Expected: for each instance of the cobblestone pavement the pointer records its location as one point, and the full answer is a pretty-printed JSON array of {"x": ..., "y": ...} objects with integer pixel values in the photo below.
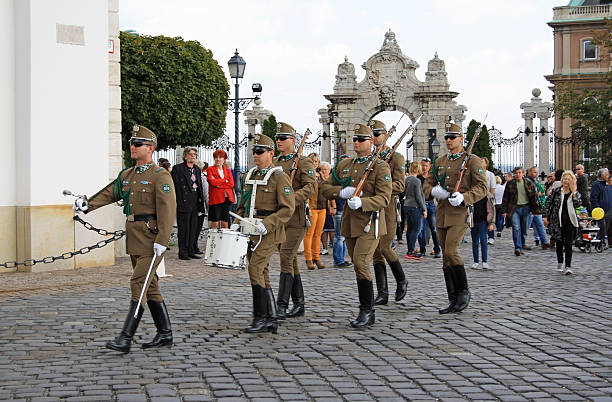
[{"x": 530, "y": 333}]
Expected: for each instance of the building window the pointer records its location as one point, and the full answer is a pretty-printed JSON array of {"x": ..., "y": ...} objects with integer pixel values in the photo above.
[{"x": 589, "y": 50}]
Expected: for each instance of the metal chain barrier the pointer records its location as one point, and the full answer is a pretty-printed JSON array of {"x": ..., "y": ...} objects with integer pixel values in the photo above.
[{"x": 116, "y": 235}]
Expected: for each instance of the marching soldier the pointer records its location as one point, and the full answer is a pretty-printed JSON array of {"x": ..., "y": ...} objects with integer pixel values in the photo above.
[
  {"x": 363, "y": 222},
  {"x": 452, "y": 212},
  {"x": 303, "y": 185},
  {"x": 149, "y": 202},
  {"x": 273, "y": 203},
  {"x": 384, "y": 251}
]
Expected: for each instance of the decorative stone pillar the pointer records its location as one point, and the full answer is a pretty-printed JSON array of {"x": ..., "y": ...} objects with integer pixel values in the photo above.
[
  {"x": 326, "y": 149},
  {"x": 544, "y": 154},
  {"x": 542, "y": 110},
  {"x": 528, "y": 142},
  {"x": 253, "y": 117}
]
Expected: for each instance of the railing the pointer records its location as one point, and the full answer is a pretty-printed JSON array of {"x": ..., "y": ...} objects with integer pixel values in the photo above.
[{"x": 568, "y": 13}]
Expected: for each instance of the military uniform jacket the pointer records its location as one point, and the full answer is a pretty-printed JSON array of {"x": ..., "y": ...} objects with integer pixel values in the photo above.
[
  {"x": 473, "y": 187},
  {"x": 274, "y": 202},
  {"x": 376, "y": 194},
  {"x": 303, "y": 184},
  {"x": 397, "y": 164},
  {"x": 150, "y": 193}
]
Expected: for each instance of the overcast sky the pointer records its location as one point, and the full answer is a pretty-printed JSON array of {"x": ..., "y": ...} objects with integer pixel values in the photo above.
[{"x": 496, "y": 51}]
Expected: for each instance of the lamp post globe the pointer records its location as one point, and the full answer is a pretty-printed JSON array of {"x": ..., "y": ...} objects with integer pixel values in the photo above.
[{"x": 435, "y": 147}]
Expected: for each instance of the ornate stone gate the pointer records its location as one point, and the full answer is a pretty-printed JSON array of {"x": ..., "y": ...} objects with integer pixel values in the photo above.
[{"x": 390, "y": 83}]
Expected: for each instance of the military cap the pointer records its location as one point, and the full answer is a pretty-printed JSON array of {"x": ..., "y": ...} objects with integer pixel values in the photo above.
[
  {"x": 377, "y": 126},
  {"x": 453, "y": 128},
  {"x": 363, "y": 131},
  {"x": 262, "y": 140},
  {"x": 285, "y": 129},
  {"x": 141, "y": 133}
]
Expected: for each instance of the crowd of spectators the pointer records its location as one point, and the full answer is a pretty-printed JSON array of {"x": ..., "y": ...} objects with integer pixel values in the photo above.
[{"x": 520, "y": 200}]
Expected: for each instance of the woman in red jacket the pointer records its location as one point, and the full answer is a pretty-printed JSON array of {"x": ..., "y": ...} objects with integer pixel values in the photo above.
[{"x": 221, "y": 190}]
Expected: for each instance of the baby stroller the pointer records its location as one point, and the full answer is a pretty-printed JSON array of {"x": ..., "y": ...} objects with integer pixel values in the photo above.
[{"x": 588, "y": 240}]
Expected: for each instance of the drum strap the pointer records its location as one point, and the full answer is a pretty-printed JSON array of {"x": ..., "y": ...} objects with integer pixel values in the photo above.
[{"x": 256, "y": 183}]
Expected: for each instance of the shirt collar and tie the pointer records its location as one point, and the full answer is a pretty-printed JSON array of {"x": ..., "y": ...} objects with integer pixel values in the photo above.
[{"x": 143, "y": 168}]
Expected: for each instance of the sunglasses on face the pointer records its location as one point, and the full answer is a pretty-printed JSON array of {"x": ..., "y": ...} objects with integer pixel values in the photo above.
[
  {"x": 425, "y": 160},
  {"x": 137, "y": 144},
  {"x": 360, "y": 139},
  {"x": 282, "y": 137},
  {"x": 378, "y": 133},
  {"x": 450, "y": 136},
  {"x": 259, "y": 151}
]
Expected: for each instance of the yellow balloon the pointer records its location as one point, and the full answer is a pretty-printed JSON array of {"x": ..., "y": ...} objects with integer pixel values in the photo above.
[{"x": 598, "y": 213}]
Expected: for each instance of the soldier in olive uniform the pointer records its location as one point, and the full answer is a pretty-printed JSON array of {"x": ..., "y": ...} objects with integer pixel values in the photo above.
[
  {"x": 274, "y": 204},
  {"x": 303, "y": 185},
  {"x": 149, "y": 202},
  {"x": 363, "y": 222},
  {"x": 384, "y": 251},
  {"x": 452, "y": 212}
]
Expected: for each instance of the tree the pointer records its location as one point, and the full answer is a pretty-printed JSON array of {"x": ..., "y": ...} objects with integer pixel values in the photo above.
[
  {"x": 482, "y": 147},
  {"x": 591, "y": 111},
  {"x": 269, "y": 127},
  {"x": 174, "y": 87}
]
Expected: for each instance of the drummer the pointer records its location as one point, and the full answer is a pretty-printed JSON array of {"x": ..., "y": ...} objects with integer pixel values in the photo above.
[{"x": 274, "y": 205}]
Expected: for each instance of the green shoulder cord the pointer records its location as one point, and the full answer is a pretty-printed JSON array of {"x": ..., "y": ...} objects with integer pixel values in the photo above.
[
  {"x": 119, "y": 195},
  {"x": 245, "y": 196},
  {"x": 342, "y": 183},
  {"x": 438, "y": 180}
]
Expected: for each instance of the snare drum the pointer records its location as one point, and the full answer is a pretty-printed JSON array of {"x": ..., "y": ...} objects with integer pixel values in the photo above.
[{"x": 226, "y": 249}]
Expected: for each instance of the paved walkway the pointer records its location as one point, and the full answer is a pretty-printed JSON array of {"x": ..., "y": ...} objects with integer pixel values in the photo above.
[{"x": 529, "y": 334}]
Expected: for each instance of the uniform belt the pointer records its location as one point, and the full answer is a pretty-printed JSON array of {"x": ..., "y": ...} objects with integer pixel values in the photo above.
[
  {"x": 264, "y": 213},
  {"x": 145, "y": 218}
]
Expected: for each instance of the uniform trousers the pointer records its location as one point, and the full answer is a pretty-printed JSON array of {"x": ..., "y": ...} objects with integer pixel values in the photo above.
[
  {"x": 361, "y": 249},
  {"x": 140, "y": 267},
  {"x": 288, "y": 250},
  {"x": 312, "y": 238},
  {"x": 449, "y": 238},
  {"x": 384, "y": 251},
  {"x": 259, "y": 260},
  {"x": 187, "y": 223}
]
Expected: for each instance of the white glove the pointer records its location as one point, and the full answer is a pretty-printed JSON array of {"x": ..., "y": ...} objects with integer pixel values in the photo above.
[
  {"x": 80, "y": 205},
  {"x": 261, "y": 228},
  {"x": 158, "y": 249},
  {"x": 354, "y": 202},
  {"x": 439, "y": 192},
  {"x": 235, "y": 227},
  {"x": 456, "y": 199},
  {"x": 346, "y": 192}
]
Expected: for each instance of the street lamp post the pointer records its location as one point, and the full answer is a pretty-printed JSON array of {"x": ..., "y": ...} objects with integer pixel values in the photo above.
[
  {"x": 236, "y": 67},
  {"x": 434, "y": 144}
]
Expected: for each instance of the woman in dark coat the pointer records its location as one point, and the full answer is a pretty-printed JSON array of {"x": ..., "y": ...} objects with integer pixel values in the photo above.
[{"x": 561, "y": 220}]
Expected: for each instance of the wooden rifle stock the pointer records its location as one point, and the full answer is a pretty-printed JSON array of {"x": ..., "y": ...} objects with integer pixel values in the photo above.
[{"x": 300, "y": 149}]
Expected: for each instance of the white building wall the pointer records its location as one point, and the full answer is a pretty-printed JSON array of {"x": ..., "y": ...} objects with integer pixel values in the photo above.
[{"x": 54, "y": 125}]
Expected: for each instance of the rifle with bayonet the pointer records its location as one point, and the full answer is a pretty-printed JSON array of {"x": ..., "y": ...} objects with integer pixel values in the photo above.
[{"x": 300, "y": 149}]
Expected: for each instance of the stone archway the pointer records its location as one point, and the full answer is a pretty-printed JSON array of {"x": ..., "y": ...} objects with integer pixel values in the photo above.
[{"x": 390, "y": 83}]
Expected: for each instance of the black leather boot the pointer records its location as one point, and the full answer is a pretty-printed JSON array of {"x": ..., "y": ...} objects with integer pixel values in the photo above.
[
  {"x": 366, "y": 302},
  {"x": 159, "y": 312},
  {"x": 285, "y": 284},
  {"x": 271, "y": 312},
  {"x": 260, "y": 311},
  {"x": 449, "y": 278},
  {"x": 123, "y": 342},
  {"x": 297, "y": 295},
  {"x": 400, "y": 279},
  {"x": 380, "y": 272},
  {"x": 463, "y": 292}
]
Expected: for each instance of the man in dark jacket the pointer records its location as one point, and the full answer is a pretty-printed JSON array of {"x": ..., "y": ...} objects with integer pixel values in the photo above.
[
  {"x": 190, "y": 198},
  {"x": 520, "y": 199},
  {"x": 582, "y": 181},
  {"x": 601, "y": 197}
]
